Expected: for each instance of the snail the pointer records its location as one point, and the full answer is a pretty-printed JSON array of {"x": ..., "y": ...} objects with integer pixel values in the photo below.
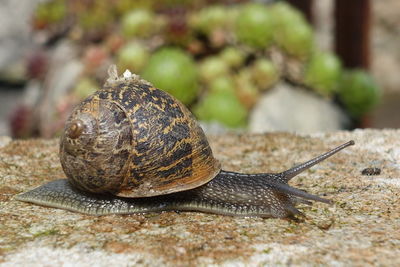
[{"x": 132, "y": 148}]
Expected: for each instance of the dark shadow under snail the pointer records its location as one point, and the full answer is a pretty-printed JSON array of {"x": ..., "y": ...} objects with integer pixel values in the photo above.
[{"x": 131, "y": 148}]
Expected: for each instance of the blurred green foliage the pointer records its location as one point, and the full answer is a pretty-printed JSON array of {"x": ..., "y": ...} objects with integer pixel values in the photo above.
[{"x": 217, "y": 59}]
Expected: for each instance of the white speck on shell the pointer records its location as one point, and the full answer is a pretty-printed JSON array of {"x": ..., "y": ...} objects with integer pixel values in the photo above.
[{"x": 127, "y": 74}]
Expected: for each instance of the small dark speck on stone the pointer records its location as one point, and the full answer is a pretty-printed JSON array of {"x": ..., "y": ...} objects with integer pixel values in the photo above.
[{"x": 371, "y": 171}]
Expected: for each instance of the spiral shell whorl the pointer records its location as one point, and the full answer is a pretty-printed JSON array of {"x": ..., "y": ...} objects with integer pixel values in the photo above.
[{"x": 95, "y": 156}]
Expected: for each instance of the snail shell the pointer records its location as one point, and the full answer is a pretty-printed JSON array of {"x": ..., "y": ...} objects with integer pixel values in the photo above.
[
  {"x": 130, "y": 148},
  {"x": 133, "y": 140}
]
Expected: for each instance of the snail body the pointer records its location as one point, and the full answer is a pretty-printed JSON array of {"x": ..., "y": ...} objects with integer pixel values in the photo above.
[{"x": 132, "y": 148}]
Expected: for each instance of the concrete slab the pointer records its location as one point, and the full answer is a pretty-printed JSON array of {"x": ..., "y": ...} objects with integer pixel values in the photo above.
[{"x": 362, "y": 228}]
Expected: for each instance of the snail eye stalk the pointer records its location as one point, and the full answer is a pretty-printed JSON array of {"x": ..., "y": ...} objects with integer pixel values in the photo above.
[{"x": 75, "y": 129}]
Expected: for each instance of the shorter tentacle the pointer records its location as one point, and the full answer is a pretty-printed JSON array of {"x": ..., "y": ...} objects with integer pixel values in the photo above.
[
  {"x": 285, "y": 188},
  {"x": 298, "y": 200}
]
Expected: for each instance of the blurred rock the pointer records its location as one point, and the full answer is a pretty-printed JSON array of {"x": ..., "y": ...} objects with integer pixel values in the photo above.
[
  {"x": 64, "y": 70},
  {"x": 216, "y": 128},
  {"x": 286, "y": 108},
  {"x": 385, "y": 44},
  {"x": 4, "y": 140},
  {"x": 15, "y": 37},
  {"x": 385, "y": 38}
]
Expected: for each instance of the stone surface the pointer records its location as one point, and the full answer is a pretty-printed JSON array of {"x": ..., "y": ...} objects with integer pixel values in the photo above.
[{"x": 362, "y": 228}]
